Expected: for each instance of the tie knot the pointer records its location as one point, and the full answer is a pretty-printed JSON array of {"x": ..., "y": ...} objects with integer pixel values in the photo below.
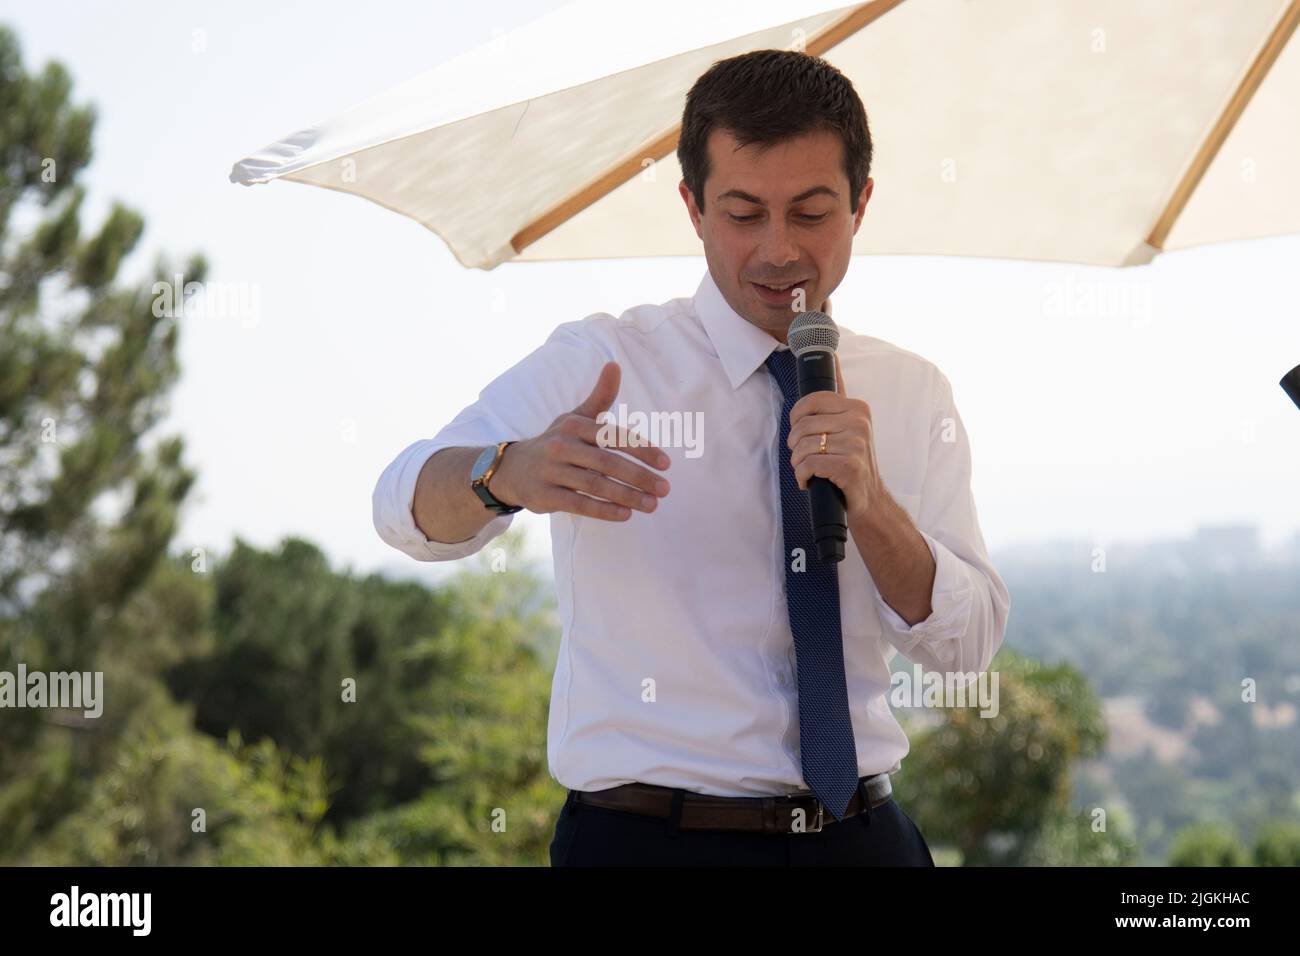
[{"x": 781, "y": 364}]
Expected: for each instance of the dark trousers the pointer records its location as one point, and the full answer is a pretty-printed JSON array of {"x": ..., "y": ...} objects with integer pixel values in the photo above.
[{"x": 598, "y": 836}]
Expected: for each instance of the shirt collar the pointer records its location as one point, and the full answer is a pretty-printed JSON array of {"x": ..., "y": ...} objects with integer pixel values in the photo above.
[{"x": 741, "y": 346}]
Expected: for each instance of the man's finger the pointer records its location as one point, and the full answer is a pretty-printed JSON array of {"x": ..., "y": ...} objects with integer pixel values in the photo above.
[
  {"x": 577, "y": 503},
  {"x": 606, "y": 462},
  {"x": 817, "y": 425},
  {"x": 622, "y": 441},
  {"x": 816, "y": 403},
  {"x": 598, "y": 486},
  {"x": 603, "y": 394}
]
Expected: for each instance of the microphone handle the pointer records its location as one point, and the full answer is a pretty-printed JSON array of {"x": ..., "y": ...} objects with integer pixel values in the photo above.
[{"x": 825, "y": 499}]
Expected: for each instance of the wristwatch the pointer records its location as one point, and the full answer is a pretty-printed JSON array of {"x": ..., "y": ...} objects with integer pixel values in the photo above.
[{"x": 485, "y": 466}]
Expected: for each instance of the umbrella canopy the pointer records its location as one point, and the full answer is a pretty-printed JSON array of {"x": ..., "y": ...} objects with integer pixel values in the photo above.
[{"x": 1101, "y": 132}]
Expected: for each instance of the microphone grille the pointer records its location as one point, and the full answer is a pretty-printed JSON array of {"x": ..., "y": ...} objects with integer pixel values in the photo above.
[{"x": 811, "y": 331}]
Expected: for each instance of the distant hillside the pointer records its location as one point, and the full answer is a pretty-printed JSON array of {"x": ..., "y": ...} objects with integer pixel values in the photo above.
[{"x": 1194, "y": 647}]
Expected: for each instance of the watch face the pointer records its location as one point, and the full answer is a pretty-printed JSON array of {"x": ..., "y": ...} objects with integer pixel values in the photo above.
[{"x": 482, "y": 462}]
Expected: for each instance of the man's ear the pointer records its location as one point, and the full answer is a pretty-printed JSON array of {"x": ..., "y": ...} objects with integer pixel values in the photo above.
[
  {"x": 862, "y": 203},
  {"x": 694, "y": 213}
]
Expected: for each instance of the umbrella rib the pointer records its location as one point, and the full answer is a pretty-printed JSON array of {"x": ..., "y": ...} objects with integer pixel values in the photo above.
[
  {"x": 660, "y": 146},
  {"x": 1241, "y": 97}
]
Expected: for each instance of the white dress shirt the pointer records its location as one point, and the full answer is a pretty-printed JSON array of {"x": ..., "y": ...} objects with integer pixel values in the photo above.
[{"x": 676, "y": 665}]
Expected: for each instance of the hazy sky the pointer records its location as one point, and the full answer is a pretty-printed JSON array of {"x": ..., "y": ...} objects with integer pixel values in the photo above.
[{"x": 1144, "y": 419}]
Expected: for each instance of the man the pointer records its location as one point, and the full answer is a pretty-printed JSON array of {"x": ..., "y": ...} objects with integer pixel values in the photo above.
[{"x": 720, "y": 692}]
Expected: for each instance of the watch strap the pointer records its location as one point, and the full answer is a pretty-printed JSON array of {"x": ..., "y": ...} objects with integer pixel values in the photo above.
[{"x": 480, "y": 488}]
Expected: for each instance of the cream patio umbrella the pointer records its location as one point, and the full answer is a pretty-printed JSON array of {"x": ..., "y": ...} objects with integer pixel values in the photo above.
[{"x": 1099, "y": 132}]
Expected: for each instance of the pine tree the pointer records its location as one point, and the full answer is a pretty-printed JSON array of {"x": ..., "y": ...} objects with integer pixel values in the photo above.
[{"x": 88, "y": 495}]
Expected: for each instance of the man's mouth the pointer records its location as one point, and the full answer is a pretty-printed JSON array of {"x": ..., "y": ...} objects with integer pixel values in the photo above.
[{"x": 778, "y": 293}]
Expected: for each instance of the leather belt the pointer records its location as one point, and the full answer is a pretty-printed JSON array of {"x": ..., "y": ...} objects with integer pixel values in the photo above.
[{"x": 701, "y": 811}]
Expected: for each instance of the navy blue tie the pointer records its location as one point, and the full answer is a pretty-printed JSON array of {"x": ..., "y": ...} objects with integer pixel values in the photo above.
[{"x": 826, "y": 748}]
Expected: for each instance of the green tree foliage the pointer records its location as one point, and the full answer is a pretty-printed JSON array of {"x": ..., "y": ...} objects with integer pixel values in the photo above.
[
  {"x": 1277, "y": 844},
  {"x": 253, "y": 649},
  {"x": 1207, "y": 844},
  {"x": 83, "y": 370},
  {"x": 483, "y": 724},
  {"x": 997, "y": 788},
  {"x": 447, "y": 728},
  {"x": 87, "y": 508},
  {"x": 289, "y": 634},
  {"x": 173, "y": 796}
]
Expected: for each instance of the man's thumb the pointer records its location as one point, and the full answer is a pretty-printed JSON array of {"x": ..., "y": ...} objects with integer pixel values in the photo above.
[{"x": 603, "y": 395}]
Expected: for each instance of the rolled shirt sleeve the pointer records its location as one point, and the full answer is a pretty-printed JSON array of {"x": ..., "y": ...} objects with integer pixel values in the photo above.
[
  {"x": 394, "y": 496},
  {"x": 520, "y": 403},
  {"x": 969, "y": 602}
]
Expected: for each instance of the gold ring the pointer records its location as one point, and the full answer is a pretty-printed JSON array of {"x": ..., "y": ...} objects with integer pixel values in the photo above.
[{"x": 822, "y": 450}]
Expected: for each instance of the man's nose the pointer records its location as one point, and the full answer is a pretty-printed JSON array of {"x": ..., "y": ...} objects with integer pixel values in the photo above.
[{"x": 777, "y": 249}]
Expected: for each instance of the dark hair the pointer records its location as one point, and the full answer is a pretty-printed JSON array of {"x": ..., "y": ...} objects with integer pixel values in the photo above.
[{"x": 765, "y": 97}]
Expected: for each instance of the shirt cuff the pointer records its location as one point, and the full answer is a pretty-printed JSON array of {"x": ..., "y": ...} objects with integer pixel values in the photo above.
[
  {"x": 394, "y": 496},
  {"x": 951, "y": 601}
]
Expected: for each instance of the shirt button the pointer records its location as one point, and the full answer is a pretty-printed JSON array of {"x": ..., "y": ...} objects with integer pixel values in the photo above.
[{"x": 782, "y": 678}]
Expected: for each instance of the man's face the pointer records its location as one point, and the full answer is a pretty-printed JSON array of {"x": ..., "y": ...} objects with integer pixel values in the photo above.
[{"x": 769, "y": 218}]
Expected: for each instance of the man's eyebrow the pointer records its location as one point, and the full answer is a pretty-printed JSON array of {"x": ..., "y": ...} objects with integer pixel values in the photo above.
[{"x": 806, "y": 194}]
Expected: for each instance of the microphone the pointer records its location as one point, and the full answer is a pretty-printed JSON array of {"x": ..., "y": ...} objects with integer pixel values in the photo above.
[{"x": 813, "y": 338}]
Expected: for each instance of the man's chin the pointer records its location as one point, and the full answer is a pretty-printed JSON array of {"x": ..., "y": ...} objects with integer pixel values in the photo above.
[{"x": 772, "y": 321}]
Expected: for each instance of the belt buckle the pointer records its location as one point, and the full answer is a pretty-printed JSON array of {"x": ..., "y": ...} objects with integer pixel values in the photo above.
[{"x": 819, "y": 819}]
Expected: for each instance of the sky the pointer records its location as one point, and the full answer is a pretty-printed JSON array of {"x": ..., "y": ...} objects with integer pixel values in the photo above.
[{"x": 1147, "y": 407}]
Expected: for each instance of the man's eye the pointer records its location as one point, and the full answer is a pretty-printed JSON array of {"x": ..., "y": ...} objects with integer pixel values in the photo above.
[{"x": 805, "y": 218}]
